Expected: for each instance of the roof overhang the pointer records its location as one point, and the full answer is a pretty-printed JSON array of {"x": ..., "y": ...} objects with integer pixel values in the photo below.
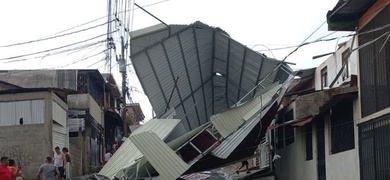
[{"x": 345, "y": 15}]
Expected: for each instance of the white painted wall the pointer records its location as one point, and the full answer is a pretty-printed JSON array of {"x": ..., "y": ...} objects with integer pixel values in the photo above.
[
  {"x": 293, "y": 165},
  {"x": 334, "y": 64},
  {"x": 343, "y": 165}
]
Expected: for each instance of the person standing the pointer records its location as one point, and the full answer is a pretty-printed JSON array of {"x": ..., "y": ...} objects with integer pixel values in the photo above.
[
  {"x": 114, "y": 147},
  {"x": 68, "y": 163},
  {"x": 5, "y": 173},
  {"x": 59, "y": 161},
  {"x": 48, "y": 171},
  {"x": 13, "y": 169},
  {"x": 107, "y": 156},
  {"x": 244, "y": 163}
]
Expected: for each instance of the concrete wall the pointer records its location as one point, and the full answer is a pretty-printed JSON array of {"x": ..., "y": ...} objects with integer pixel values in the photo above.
[
  {"x": 85, "y": 101},
  {"x": 334, "y": 64},
  {"x": 17, "y": 142},
  {"x": 343, "y": 165},
  {"x": 76, "y": 155},
  {"x": 62, "y": 79},
  {"x": 293, "y": 164},
  {"x": 78, "y": 101},
  {"x": 309, "y": 104},
  {"x": 28, "y": 144}
]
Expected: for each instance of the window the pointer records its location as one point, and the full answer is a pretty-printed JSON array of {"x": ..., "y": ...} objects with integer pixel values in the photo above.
[
  {"x": 345, "y": 57},
  {"x": 289, "y": 130},
  {"x": 309, "y": 141},
  {"x": 280, "y": 137},
  {"x": 342, "y": 127},
  {"x": 285, "y": 134},
  {"x": 324, "y": 78}
]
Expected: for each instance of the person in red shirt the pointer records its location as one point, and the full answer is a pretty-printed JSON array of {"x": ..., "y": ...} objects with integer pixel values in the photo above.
[
  {"x": 5, "y": 173},
  {"x": 14, "y": 170}
]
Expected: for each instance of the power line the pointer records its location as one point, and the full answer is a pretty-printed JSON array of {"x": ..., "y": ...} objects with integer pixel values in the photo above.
[
  {"x": 72, "y": 51},
  {"x": 48, "y": 50},
  {"x": 53, "y": 37},
  {"x": 303, "y": 42},
  {"x": 79, "y": 60}
]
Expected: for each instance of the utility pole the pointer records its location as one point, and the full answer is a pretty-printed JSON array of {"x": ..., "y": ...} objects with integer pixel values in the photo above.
[{"x": 123, "y": 69}]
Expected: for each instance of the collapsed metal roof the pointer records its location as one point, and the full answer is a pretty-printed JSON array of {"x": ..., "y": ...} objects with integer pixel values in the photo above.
[
  {"x": 199, "y": 70},
  {"x": 123, "y": 159},
  {"x": 220, "y": 90}
]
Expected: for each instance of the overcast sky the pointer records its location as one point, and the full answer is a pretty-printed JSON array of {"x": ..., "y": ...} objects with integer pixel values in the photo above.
[{"x": 254, "y": 23}]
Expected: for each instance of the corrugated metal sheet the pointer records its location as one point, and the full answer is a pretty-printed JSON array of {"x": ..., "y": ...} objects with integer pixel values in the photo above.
[
  {"x": 155, "y": 34},
  {"x": 59, "y": 114},
  {"x": 230, "y": 120},
  {"x": 128, "y": 153},
  {"x": 214, "y": 72},
  {"x": 175, "y": 144},
  {"x": 32, "y": 112},
  {"x": 75, "y": 123},
  {"x": 59, "y": 136},
  {"x": 230, "y": 143},
  {"x": 167, "y": 163}
]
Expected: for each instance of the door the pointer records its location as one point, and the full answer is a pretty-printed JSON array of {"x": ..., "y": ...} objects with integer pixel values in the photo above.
[{"x": 321, "y": 171}]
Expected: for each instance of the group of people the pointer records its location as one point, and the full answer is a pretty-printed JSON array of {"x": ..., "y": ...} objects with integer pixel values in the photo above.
[
  {"x": 8, "y": 169},
  {"x": 53, "y": 168}
]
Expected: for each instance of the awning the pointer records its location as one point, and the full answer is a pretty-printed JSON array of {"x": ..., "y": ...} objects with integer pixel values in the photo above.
[{"x": 345, "y": 15}]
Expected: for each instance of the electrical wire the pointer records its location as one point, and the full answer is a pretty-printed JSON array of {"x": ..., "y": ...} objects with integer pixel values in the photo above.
[
  {"x": 53, "y": 37},
  {"x": 71, "y": 51},
  {"x": 48, "y": 50},
  {"x": 79, "y": 60}
]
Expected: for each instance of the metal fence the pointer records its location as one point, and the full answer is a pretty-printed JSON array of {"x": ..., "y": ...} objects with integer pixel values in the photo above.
[{"x": 374, "y": 149}]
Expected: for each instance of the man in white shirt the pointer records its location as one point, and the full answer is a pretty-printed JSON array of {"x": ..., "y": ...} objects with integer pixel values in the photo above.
[{"x": 59, "y": 161}]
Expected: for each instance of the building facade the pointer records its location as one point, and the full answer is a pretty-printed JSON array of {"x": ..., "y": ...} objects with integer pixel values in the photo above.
[
  {"x": 369, "y": 19},
  {"x": 93, "y": 121},
  {"x": 315, "y": 134},
  {"x": 32, "y": 123}
]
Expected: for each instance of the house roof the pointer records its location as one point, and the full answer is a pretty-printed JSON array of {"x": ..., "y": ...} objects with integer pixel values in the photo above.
[
  {"x": 345, "y": 15},
  {"x": 199, "y": 71}
]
